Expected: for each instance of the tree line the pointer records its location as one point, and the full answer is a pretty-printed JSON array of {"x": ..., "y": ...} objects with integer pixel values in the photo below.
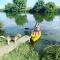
[
  {"x": 16, "y": 6},
  {"x": 43, "y": 8},
  {"x": 40, "y": 7}
]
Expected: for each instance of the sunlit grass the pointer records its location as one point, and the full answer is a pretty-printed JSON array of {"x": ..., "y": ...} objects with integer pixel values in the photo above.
[
  {"x": 23, "y": 52},
  {"x": 27, "y": 52}
]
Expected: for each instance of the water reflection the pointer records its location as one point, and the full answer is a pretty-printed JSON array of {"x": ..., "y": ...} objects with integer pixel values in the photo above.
[
  {"x": 11, "y": 15},
  {"x": 48, "y": 17},
  {"x": 38, "y": 18},
  {"x": 21, "y": 19},
  {"x": 16, "y": 24},
  {"x": 21, "y": 23}
]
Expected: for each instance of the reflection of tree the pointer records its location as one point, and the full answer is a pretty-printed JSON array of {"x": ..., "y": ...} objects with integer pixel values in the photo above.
[
  {"x": 11, "y": 15},
  {"x": 38, "y": 18},
  {"x": 21, "y": 20},
  {"x": 49, "y": 16}
]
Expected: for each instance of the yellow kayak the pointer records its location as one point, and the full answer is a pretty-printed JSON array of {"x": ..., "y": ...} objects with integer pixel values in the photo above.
[{"x": 35, "y": 36}]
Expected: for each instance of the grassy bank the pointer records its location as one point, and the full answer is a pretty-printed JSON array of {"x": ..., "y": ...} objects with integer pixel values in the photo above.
[
  {"x": 23, "y": 52},
  {"x": 26, "y": 52}
]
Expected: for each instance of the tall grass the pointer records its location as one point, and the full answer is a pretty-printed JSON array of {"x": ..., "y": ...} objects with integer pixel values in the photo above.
[
  {"x": 23, "y": 52},
  {"x": 26, "y": 52}
]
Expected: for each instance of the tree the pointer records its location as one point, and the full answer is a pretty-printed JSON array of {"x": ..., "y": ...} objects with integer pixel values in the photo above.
[
  {"x": 38, "y": 5},
  {"x": 20, "y": 3},
  {"x": 8, "y": 7},
  {"x": 50, "y": 7},
  {"x": 16, "y": 6},
  {"x": 11, "y": 8}
]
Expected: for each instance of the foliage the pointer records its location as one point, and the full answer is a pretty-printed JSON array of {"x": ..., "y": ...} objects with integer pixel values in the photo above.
[
  {"x": 23, "y": 52},
  {"x": 8, "y": 7},
  {"x": 16, "y": 6},
  {"x": 38, "y": 5},
  {"x": 51, "y": 53},
  {"x": 50, "y": 6},
  {"x": 26, "y": 52},
  {"x": 20, "y": 3},
  {"x": 42, "y": 8},
  {"x": 11, "y": 8}
]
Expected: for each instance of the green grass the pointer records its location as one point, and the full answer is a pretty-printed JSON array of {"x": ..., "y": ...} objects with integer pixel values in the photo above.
[
  {"x": 51, "y": 53},
  {"x": 26, "y": 52},
  {"x": 23, "y": 52},
  {"x": 3, "y": 42}
]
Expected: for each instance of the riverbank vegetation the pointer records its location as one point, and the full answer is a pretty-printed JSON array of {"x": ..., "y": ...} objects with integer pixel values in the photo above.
[
  {"x": 23, "y": 52},
  {"x": 40, "y": 7},
  {"x": 47, "y": 10},
  {"x": 41, "y": 11},
  {"x": 27, "y": 52},
  {"x": 44, "y": 8},
  {"x": 16, "y": 6}
]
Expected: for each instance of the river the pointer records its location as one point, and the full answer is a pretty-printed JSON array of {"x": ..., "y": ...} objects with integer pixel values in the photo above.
[{"x": 16, "y": 23}]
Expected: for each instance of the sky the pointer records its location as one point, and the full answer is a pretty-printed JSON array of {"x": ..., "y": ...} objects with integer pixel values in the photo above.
[{"x": 30, "y": 3}]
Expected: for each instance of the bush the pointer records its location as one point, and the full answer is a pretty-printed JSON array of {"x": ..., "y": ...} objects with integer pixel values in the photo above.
[{"x": 51, "y": 53}]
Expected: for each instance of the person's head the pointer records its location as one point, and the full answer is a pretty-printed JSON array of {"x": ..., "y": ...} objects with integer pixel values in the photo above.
[{"x": 39, "y": 28}]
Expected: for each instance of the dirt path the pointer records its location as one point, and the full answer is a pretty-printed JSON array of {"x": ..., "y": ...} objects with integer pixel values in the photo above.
[{"x": 8, "y": 48}]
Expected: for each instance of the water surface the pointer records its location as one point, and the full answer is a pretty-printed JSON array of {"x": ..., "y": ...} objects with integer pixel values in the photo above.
[{"x": 50, "y": 26}]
